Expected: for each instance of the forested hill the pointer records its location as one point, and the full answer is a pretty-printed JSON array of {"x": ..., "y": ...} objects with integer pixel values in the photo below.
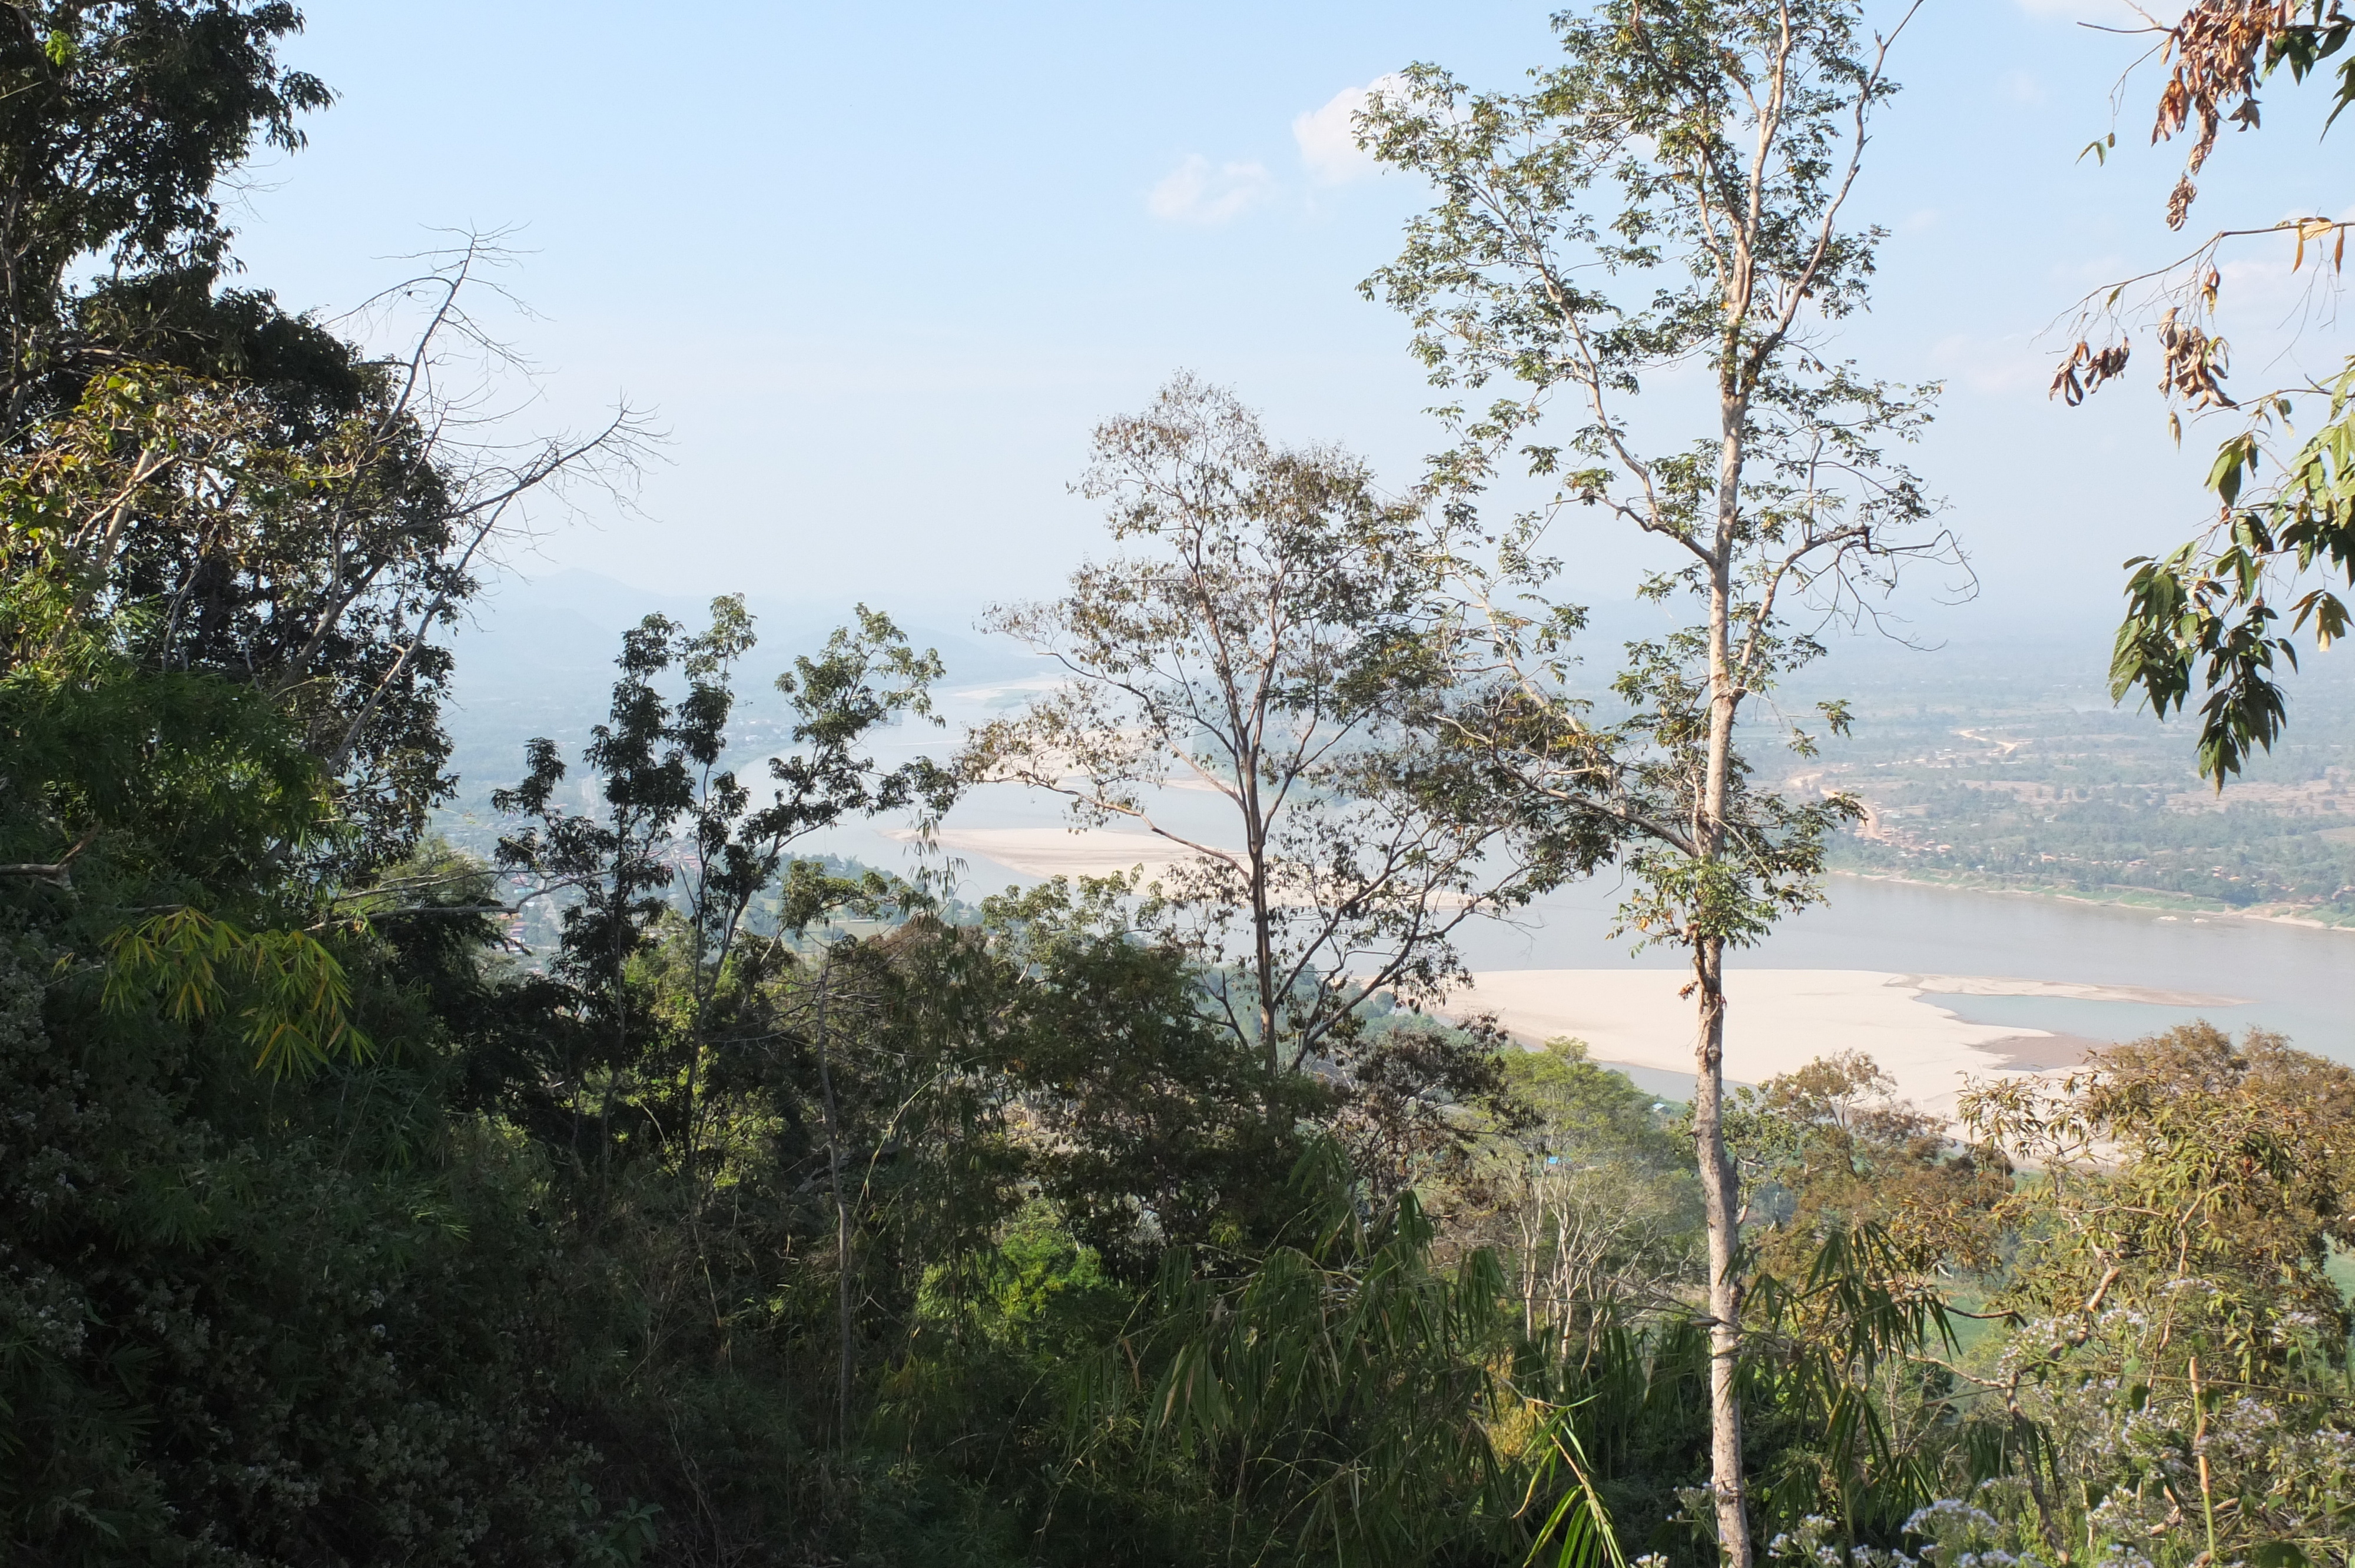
[{"x": 768, "y": 1210}]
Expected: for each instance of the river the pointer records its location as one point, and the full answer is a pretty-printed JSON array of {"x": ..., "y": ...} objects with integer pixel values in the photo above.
[{"x": 2297, "y": 980}]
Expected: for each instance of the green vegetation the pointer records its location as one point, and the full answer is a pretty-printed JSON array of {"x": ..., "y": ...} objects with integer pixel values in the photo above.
[
  {"x": 748, "y": 1207},
  {"x": 1672, "y": 199},
  {"x": 1995, "y": 774}
]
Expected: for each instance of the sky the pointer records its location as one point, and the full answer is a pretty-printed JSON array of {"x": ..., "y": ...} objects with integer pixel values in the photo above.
[{"x": 876, "y": 271}]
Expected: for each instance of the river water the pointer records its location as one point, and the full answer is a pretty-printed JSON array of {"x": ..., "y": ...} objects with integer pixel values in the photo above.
[
  {"x": 2295, "y": 979},
  {"x": 2298, "y": 980}
]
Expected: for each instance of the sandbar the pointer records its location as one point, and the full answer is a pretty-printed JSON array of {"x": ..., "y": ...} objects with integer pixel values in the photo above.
[
  {"x": 1066, "y": 851},
  {"x": 2074, "y": 990},
  {"x": 1776, "y": 1022}
]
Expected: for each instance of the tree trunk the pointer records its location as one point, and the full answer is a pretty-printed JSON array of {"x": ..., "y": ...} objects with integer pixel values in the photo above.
[
  {"x": 1263, "y": 960},
  {"x": 1722, "y": 1201},
  {"x": 1263, "y": 917},
  {"x": 834, "y": 1156},
  {"x": 1720, "y": 1187}
]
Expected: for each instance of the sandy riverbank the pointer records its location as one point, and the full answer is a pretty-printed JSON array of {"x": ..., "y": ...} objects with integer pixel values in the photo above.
[
  {"x": 1061, "y": 851},
  {"x": 1780, "y": 1019}
]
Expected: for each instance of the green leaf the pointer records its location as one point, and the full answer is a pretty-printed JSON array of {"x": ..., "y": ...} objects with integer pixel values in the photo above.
[
  {"x": 290, "y": 993},
  {"x": 2235, "y": 455}
]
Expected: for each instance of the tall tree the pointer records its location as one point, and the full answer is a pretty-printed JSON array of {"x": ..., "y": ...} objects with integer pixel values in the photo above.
[
  {"x": 1264, "y": 645},
  {"x": 1672, "y": 198},
  {"x": 306, "y": 537},
  {"x": 271, "y": 501}
]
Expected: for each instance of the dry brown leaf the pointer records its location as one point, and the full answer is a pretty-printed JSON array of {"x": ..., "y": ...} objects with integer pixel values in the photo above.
[
  {"x": 2217, "y": 51},
  {"x": 2098, "y": 365},
  {"x": 2195, "y": 364}
]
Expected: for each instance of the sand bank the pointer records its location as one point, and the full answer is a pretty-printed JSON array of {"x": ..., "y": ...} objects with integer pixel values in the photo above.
[
  {"x": 1777, "y": 1021},
  {"x": 2073, "y": 991},
  {"x": 1061, "y": 852}
]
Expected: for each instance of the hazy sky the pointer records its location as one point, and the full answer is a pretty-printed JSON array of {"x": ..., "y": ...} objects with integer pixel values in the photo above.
[{"x": 879, "y": 268}]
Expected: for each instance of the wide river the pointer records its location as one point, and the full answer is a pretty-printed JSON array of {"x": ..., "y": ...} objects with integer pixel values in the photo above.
[{"x": 2297, "y": 980}]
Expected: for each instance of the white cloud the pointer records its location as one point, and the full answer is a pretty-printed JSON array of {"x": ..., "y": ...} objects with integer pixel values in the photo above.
[
  {"x": 1194, "y": 192},
  {"x": 1328, "y": 141},
  {"x": 2020, "y": 87}
]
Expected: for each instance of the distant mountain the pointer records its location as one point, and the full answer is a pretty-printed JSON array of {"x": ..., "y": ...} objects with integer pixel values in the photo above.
[
  {"x": 536, "y": 657},
  {"x": 567, "y": 626}
]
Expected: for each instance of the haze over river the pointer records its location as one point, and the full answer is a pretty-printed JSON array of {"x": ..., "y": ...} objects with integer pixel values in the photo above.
[
  {"x": 1876, "y": 969},
  {"x": 1942, "y": 986}
]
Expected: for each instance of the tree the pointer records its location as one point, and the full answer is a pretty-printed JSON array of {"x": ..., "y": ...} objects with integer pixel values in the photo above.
[
  {"x": 305, "y": 536},
  {"x": 117, "y": 120},
  {"x": 2185, "y": 1158},
  {"x": 1160, "y": 1127},
  {"x": 680, "y": 835},
  {"x": 1670, "y": 198},
  {"x": 2181, "y": 1343},
  {"x": 1266, "y": 646},
  {"x": 1344, "y": 1399},
  {"x": 2206, "y": 620},
  {"x": 1839, "y": 1151},
  {"x": 1602, "y": 1219},
  {"x": 272, "y": 500}
]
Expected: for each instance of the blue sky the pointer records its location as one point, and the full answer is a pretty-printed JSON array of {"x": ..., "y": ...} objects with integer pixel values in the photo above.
[{"x": 878, "y": 268}]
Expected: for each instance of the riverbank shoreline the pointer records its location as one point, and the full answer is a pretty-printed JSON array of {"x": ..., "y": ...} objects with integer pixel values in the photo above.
[
  {"x": 1047, "y": 852},
  {"x": 2166, "y": 904}
]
